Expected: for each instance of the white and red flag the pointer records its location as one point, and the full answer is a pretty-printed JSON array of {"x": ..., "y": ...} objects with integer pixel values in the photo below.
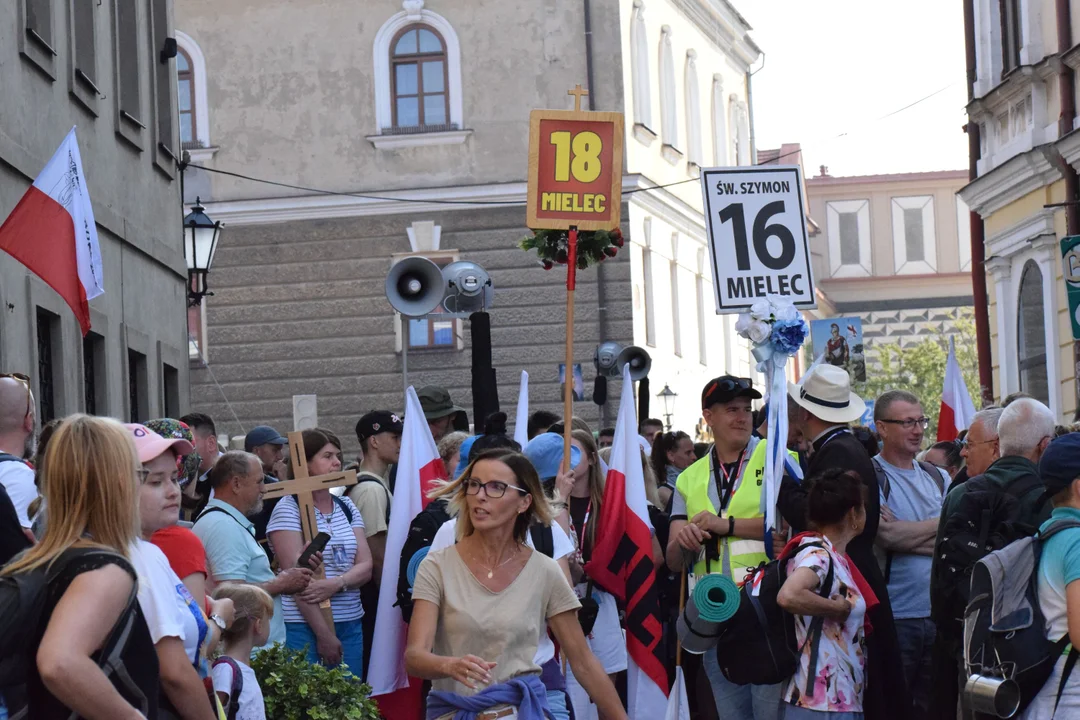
[
  {"x": 52, "y": 232},
  {"x": 622, "y": 563},
  {"x": 418, "y": 469},
  {"x": 957, "y": 410}
]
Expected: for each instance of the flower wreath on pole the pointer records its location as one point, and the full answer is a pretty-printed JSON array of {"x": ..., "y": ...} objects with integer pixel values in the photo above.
[
  {"x": 593, "y": 247},
  {"x": 777, "y": 331}
]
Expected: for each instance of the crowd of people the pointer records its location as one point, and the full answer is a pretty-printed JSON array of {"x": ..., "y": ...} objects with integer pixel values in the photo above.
[{"x": 159, "y": 569}]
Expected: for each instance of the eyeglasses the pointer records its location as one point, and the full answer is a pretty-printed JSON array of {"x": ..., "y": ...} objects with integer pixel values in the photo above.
[
  {"x": 909, "y": 423},
  {"x": 965, "y": 443},
  {"x": 25, "y": 380},
  {"x": 494, "y": 489}
]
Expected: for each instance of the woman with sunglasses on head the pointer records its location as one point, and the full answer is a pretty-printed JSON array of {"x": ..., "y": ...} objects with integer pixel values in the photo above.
[
  {"x": 184, "y": 633},
  {"x": 672, "y": 453},
  {"x": 92, "y": 489},
  {"x": 346, "y": 558},
  {"x": 481, "y": 605}
]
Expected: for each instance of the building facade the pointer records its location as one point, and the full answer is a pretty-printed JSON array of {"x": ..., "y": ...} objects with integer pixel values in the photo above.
[
  {"x": 103, "y": 67},
  {"x": 895, "y": 251},
  {"x": 417, "y": 122},
  {"x": 1023, "y": 100}
]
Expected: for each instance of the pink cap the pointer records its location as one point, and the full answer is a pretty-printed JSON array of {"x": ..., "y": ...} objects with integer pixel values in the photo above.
[{"x": 148, "y": 444}]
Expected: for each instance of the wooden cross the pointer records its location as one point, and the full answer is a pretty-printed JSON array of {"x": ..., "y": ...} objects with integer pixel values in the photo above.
[
  {"x": 577, "y": 92},
  {"x": 302, "y": 486}
]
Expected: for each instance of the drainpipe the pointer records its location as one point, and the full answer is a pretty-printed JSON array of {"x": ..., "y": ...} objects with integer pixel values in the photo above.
[
  {"x": 1067, "y": 93},
  {"x": 978, "y": 246},
  {"x": 601, "y": 275}
]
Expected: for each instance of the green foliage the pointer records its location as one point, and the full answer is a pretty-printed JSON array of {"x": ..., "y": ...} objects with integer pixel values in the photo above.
[
  {"x": 593, "y": 246},
  {"x": 920, "y": 369},
  {"x": 294, "y": 689}
]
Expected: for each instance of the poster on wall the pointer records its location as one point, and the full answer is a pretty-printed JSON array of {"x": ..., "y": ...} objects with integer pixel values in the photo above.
[
  {"x": 579, "y": 381},
  {"x": 841, "y": 341}
]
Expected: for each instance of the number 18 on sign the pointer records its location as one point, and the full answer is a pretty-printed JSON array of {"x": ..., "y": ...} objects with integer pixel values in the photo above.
[{"x": 757, "y": 236}]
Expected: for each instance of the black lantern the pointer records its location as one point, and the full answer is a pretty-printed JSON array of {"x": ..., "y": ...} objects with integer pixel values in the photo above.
[
  {"x": 668, "y": 396},
  {"x": 200, "y": 242}
]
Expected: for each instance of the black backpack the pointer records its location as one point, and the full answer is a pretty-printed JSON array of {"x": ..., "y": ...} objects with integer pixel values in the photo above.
[
  {"x": 23, "y": 598},
  {"x": 1004, "y": 627},
  {"x": 987, "y": 517},
  {"x": 758, "y": 646}
]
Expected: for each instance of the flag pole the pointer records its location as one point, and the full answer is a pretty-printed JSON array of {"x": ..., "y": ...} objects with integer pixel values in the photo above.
[{"x": 568, "y": 375}]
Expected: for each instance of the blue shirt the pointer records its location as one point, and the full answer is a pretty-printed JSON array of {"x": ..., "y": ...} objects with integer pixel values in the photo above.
[
  {"x": 233, "y": 554},
  {"x": 1059, "y": 565},
  {"x": 914, "y": 496}
]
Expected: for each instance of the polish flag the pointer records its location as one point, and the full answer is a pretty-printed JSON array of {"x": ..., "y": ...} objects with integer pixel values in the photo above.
[
  {"x": 521, "y": 419},
  {"x": 622, "y": 563},
  {"x": 418, "y": 469},
  {"x": 52, "y": 232},
  {"x": 957, "y": 410}
]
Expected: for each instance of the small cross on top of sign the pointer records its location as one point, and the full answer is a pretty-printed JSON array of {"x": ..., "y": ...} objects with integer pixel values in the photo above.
[{"x": 577, "y": 92}]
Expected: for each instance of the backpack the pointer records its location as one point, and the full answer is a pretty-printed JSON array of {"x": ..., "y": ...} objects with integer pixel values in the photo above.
[
  {"x": 1004, "y": 627},
  {"x": 885, "y": 556},
  {"x": 422, "y": 531},
  {"x": 986, "y": 518},
  {"x": 235, "y": 687},
  {"x": 23, "y": 598},
  {"x": 758, "y": 645}
]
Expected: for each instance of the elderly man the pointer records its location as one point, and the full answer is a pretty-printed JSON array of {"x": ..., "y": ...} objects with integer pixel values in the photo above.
[
  {"x": 1002, "y": 448},
  {"x": 17, "y": 442},
  {"x": 227, "y": 533}
]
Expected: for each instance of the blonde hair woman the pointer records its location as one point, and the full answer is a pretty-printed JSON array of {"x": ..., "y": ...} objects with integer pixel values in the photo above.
[
  {"x": 91, "y": 489},
  {"x": 480, "y": 606}
]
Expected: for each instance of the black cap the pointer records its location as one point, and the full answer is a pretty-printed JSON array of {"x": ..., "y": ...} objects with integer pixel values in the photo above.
[
  {"x": 378, "y": 421},
  {"x": 726, "y": 388},
  {"x": 1060, "y": 463}
]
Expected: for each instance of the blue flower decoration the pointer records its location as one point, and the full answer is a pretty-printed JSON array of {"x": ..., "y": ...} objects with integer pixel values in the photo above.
[{"x": 789, "y": 335}]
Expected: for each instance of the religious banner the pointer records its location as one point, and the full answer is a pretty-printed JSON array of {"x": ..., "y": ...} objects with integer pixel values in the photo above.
[{"x": 840, "y": 339}]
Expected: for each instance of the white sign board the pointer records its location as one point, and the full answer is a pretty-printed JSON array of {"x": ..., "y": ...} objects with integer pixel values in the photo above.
[{"x": 757, "y": 235}]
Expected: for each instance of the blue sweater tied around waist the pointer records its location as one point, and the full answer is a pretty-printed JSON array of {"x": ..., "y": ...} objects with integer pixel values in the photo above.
[{"x": 525, "y": 692}]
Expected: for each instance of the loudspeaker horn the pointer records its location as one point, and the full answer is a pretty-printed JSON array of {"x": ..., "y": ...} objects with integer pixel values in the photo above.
[
  {"x": 468, "y": 288},
  {"x": 606, "y": 359},
  {"x": 415, "y": 287},
  {"x": 639, "y": 361}
]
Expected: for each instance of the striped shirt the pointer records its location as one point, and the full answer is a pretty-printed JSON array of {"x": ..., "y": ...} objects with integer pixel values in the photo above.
[{"x": 338, "y": 557}]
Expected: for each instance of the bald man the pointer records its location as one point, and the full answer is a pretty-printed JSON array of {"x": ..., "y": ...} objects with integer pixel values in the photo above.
[{"x": 16, "y": 443}]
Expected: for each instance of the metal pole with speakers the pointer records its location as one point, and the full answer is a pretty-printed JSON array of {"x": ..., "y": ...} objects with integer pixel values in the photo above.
[
  {"x": 415, "y": 287},
  {"x": 469, "y": 292}
]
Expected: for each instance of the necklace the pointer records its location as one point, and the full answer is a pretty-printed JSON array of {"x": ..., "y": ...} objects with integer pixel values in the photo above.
[{"x": 491, "y": 570}]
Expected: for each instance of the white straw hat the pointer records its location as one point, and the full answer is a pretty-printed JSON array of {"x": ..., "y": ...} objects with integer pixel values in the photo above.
[{"x": 826, "y": 392}]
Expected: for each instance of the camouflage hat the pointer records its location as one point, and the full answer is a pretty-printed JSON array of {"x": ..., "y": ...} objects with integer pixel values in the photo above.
[{"x": 188, "y": 465}]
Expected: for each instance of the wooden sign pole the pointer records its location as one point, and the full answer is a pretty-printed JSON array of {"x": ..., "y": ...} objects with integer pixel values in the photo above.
[
  {"x": 571, "y": 282},
  {"x": 302, "y": 486}
]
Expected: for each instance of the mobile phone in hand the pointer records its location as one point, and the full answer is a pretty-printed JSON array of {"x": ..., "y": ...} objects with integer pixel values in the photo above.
[{"x": 317, "y": 544}]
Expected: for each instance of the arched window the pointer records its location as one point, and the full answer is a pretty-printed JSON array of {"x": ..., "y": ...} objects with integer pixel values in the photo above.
[
  {"x": 185, "y": 91},
  {"x": 1031, "y": 333},
  {"x": 639, "y": 66},
  {"x": 419, "y": 78}
]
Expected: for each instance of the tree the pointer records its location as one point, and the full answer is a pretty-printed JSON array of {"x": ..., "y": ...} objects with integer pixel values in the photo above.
[{"x": 920, "y": 369}]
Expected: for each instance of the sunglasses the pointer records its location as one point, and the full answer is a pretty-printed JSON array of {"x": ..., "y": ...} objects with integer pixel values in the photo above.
[
  {"x": 25, "y": 380},
  {"x": 727, "y": 385}
]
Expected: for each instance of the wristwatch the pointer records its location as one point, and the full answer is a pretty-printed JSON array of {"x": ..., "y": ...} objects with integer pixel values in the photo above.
[{"x": 218, "y": 620}]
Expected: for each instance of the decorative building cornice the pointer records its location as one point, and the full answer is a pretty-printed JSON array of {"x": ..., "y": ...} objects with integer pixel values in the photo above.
[{"x": 1011, "y": 181}]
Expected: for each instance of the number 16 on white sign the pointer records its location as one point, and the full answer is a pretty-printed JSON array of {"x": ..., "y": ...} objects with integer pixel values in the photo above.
[{"x": 757, "y": 236}]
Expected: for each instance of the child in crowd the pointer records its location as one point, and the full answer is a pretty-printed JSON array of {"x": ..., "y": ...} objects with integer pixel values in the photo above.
[{"x": 234, "y": 680}]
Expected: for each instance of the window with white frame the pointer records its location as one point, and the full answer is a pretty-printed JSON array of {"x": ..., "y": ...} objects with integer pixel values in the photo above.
[
  {"x": 669, "y": 118},
  {"x": 1011, "y": 34},
  {"x": 963, "y": 233},
  {"x": 1031, "y": 333},
  {"x": 914, "y": 236},
  {"x": 848, "y": 226},
  {"x": 639, "y": 66},
  {"x": 693, "y": 109},
  {"x": 719, "y": 121},
  {"x": 192, "y": 102},
  {"x": 417, "y": 65}
]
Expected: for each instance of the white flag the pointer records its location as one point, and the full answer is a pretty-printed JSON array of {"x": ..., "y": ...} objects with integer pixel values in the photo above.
[{"x": 521, "y": 420}]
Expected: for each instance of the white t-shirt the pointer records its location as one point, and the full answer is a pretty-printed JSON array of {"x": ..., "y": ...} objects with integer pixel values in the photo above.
[
  {"x": 251, "y": 705},
  {"x": 168, "y": 607},
  {"x": 563, "y": 546},
  {"x": 18, "y": 479}
]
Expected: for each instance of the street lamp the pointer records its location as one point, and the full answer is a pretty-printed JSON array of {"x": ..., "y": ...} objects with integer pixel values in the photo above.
[
  {"x": 200, "y": 242},
  {"x": 668, "y": 396}
]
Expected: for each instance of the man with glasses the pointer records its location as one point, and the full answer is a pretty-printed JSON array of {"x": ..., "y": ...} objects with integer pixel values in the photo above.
[
  {"x": 911, "y": 494},
  {"x": 17, "y": 442}
]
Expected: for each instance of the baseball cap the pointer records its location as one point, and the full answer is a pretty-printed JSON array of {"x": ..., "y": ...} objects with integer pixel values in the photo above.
[
  {"x": 545, "y": 452},
  {"x": 263, "y": 435},
  {"x": 148, "y": 444},
  {"x": 1060, "y": 463},
  {"x": 725, "y": 389},
  {"x": 378, "y": 421}
]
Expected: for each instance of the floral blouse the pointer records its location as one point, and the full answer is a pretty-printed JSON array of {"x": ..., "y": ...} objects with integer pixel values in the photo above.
[{"x": 841, "y": 663}]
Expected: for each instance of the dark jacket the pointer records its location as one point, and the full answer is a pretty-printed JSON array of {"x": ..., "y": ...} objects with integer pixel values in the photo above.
[
  {"x": 12, "y": 538},
  {"x": 885, "y": 696}
]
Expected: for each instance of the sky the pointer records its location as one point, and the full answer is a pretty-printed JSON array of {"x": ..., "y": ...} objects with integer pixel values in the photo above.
[{"x": 834, "y": 68}]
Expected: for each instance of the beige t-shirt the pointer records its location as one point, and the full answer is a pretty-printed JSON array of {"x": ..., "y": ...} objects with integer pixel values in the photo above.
[
  {"x": 371, "y": 499},
  {"x": 500, "y": 627}
]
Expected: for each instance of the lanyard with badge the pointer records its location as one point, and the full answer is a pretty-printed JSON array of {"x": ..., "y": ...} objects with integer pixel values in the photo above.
[{"x": 725, "y": 489}]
